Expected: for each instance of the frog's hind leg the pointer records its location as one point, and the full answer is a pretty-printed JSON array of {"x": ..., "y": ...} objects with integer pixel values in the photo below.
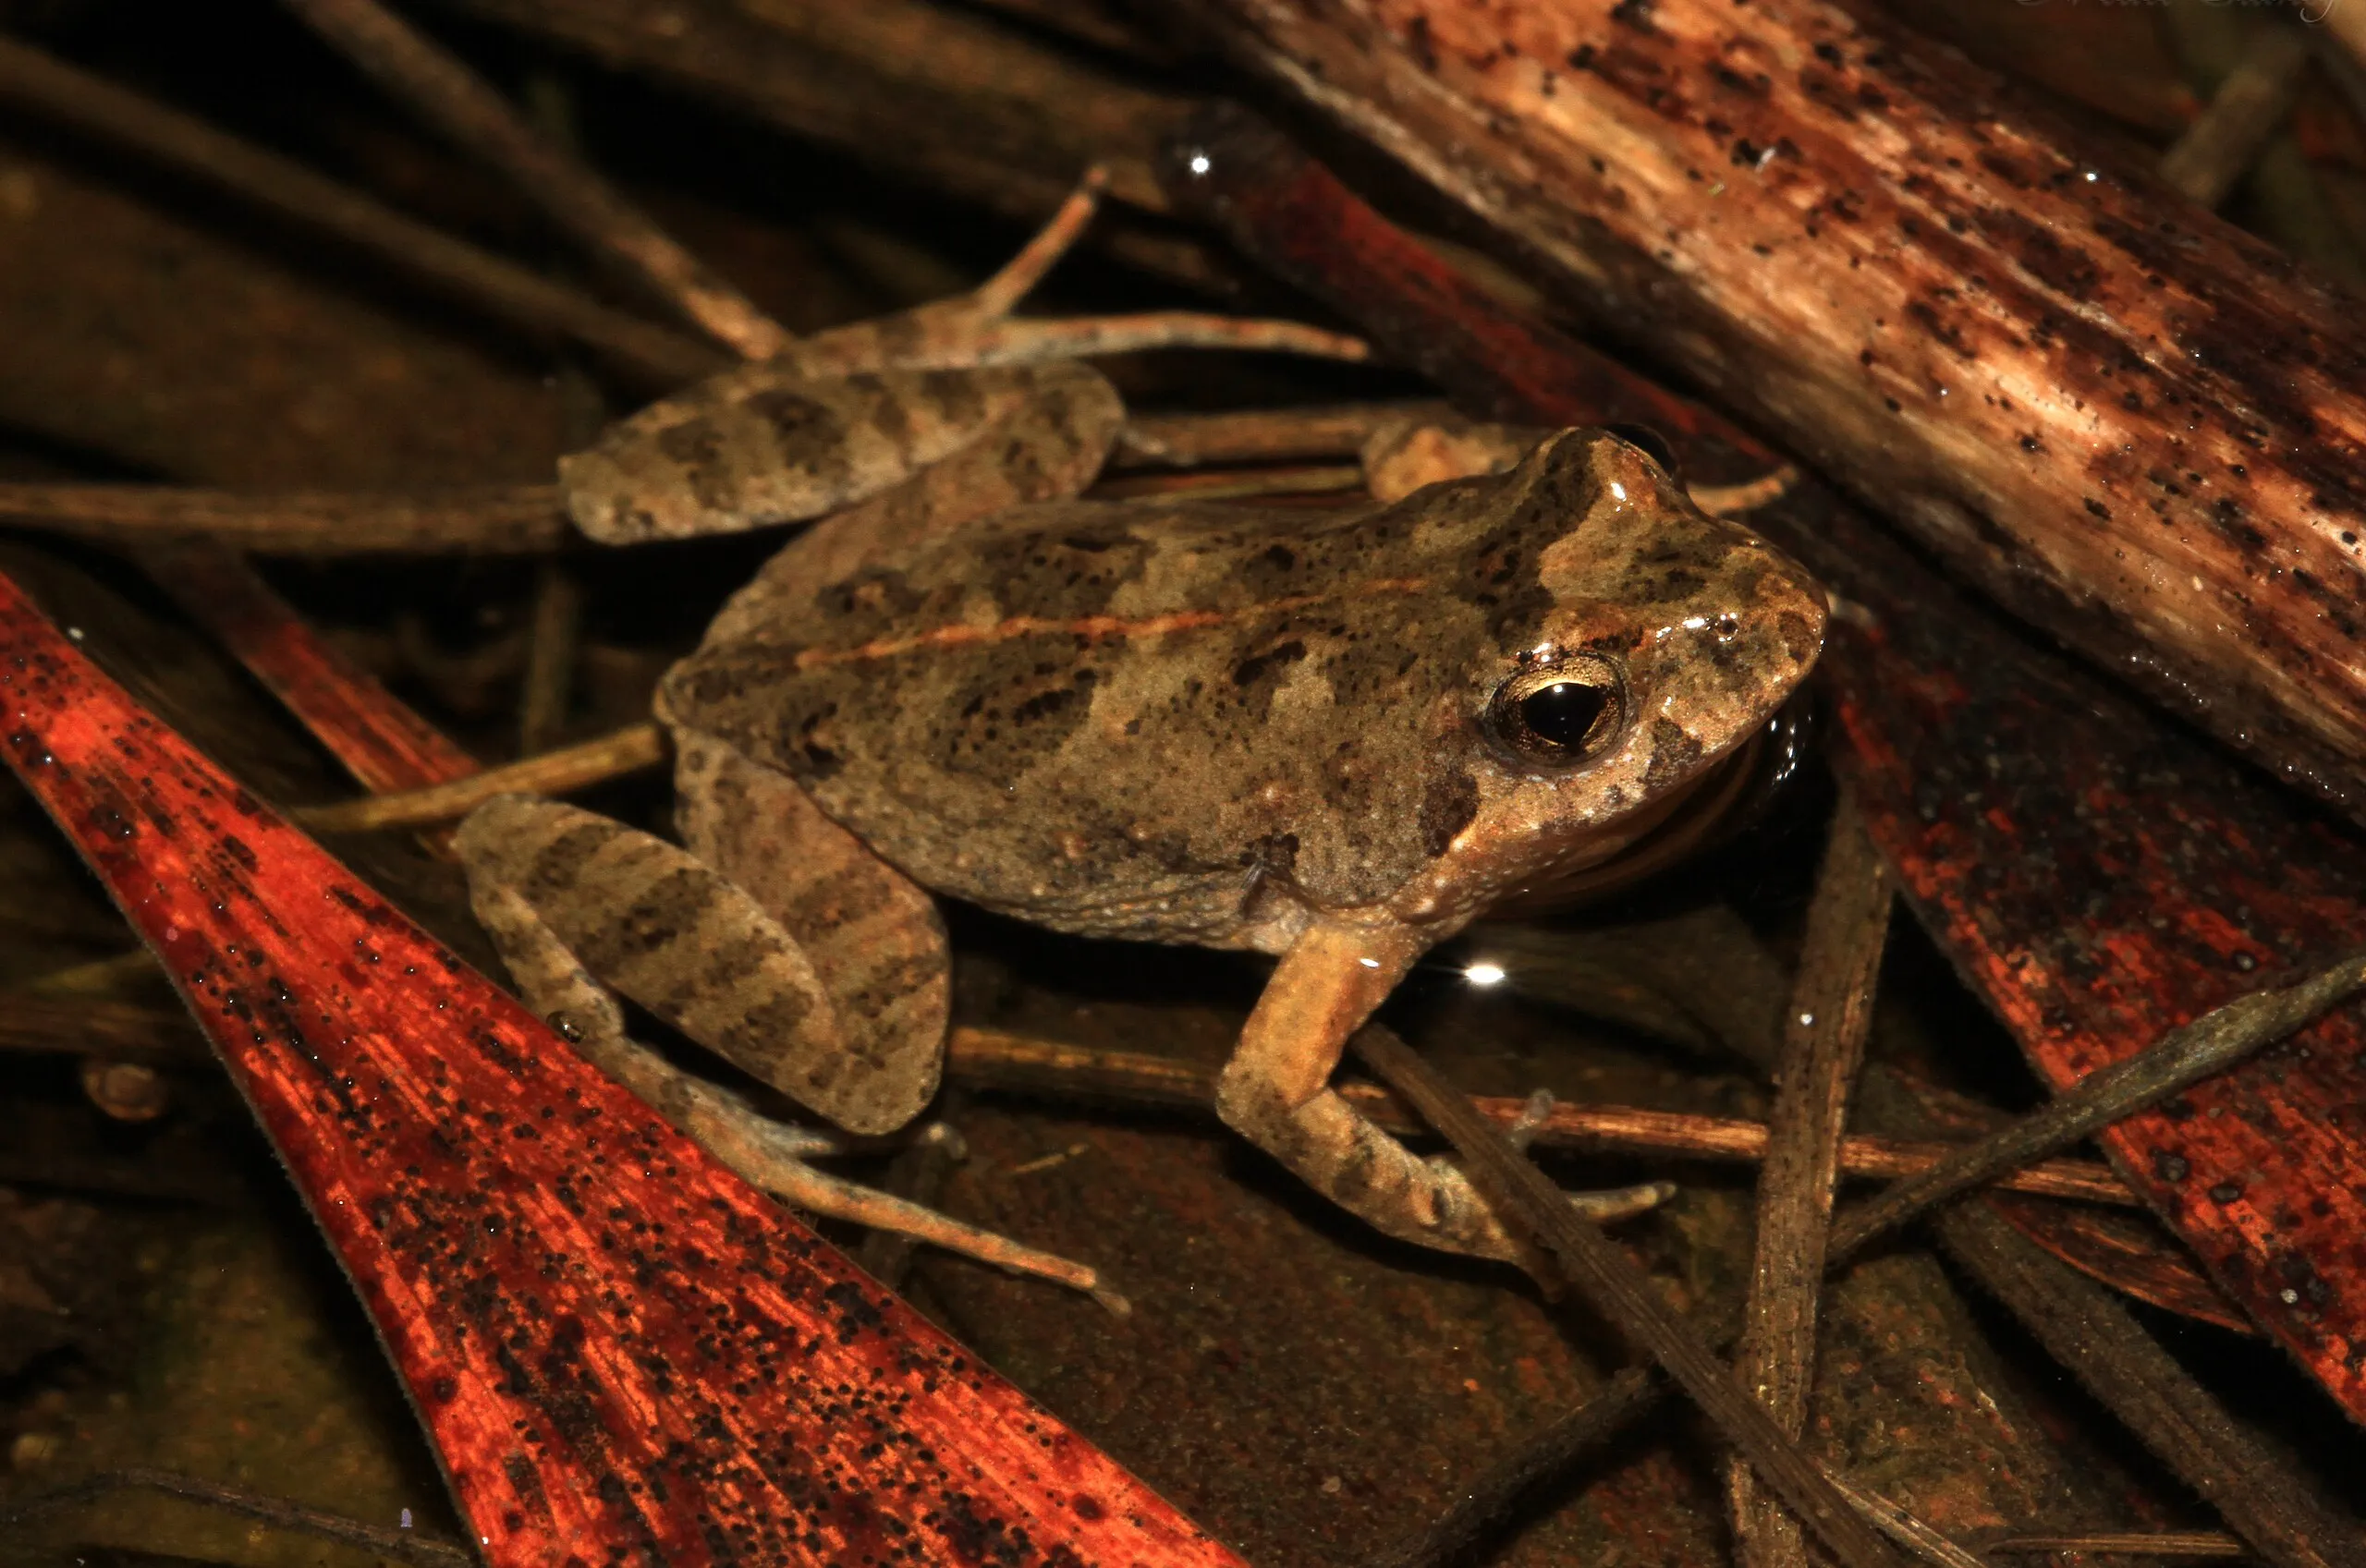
[
  {"x": 1276, "y": 1092},
  {"x": 518, "y": 852},
  {"x": 978, "y": 328}
]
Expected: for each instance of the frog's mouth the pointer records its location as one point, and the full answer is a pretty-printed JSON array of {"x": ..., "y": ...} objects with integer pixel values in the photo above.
[{"x": 1719, "y": 802}]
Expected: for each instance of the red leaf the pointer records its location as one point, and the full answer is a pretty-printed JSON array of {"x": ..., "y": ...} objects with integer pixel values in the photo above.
[
  {"x": 624, "y": 1353},
  {"x": 2102, "y": 876}
]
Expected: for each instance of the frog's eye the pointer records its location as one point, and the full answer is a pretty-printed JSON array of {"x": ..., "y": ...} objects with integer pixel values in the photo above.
[{"x": 1567, "y": 712}]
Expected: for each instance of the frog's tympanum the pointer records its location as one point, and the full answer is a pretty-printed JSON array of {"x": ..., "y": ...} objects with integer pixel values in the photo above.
[{"x": 1336, "y": 737}]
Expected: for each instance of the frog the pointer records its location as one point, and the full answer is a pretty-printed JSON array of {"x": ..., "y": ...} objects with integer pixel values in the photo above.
[{"x": 1332, "y": 738}]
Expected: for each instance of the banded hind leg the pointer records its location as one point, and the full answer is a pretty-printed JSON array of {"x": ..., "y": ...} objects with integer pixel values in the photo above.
[{"x": 831, "y": 988}]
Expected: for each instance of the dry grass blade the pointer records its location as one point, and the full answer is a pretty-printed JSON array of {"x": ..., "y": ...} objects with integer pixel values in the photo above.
[
  {"x": 517, "y": 519},
  {"x": 118, "y": 1031},
  {"x": 2251, "y": 106},
  {"x": 30, "y": 79},
  {"x": 2176, "y": 1543},
  {"x": 451, "y": 97},
  {"x": 410, "y": 1547},
  {"x": 1823, "y": 1042},
  {"x": 619, "y": 752},
  {"x": 997, "y": 1059},
  {"x": 1260, "y": 435},
  {"x": 1620, "y": 1290}
]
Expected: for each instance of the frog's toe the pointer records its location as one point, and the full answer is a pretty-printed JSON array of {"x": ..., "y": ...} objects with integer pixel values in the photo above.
[{"x": 1621, "y": 1203}]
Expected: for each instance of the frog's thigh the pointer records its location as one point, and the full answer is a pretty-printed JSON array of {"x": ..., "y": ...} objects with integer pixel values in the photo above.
[
  {"x": 647, "y": 919},
  {"x": 1275, "y": 1091},
  {"x": 1047, "y": 448},
  {"x": 762, "y": 444},
  {"x": 874, "y": 939}
]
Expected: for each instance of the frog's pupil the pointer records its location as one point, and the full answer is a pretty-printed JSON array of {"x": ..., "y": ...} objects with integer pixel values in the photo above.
[{"x": 1562, "y": 715}]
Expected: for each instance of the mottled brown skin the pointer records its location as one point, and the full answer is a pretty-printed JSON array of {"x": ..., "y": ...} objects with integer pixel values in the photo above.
[{"x": 1270, "y": 730}]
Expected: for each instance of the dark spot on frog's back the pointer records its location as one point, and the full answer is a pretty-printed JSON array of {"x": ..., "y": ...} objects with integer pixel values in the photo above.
[
  {"x": 805, "y": 432},
  {"x": 954, "y": 394},
  {"x": 1447, "y": 807},
  {"x": 1674, "y": 755},
  {"x": 696, "y": 450},
  {"x": 1257, "y": 666}
]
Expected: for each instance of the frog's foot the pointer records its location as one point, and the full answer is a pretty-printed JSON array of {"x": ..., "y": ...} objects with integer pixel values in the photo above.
[
  {"x": 770, "y": 1155},
  {"x": 1403, "y": 455},
  {"x": 1611, "y": 1203},
  {"x": 1275, "y": 1092},
  {"x": 978, "y": 328}
]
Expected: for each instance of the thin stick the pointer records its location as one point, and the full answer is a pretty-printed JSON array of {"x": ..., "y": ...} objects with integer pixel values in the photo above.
[
  {"x": 118, "y": 1031},
  {"x": 38, "y": 1018},
  {"x": 450, "y": 96},
  {"x": 555, "y": 629},
  {"x": 404, "y": 1546},
  {"x": 518, "y": 519},
  {"x": 610, "y": 756},
  {"x": 1823, "y": 1042},
  {"x": 2169, "y": 1543},
  {"x": 553, "y": 641},
  {"x": 2183, "y": 1057},
  {"x": 1260, "y": 435},
  {"x": 1620, "y": 1290},
  {"x": 1234, "y": 484},
  {"x": 2244, "y": 116},
  {"x": 289, "y": 191},
  {"x": 995, "y": 1059}
]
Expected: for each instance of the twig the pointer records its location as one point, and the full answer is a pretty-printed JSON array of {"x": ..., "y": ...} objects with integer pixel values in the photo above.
[
  {"x": 2211, "y": 44},
  {"x": 2168, "y": 1543},
  {"x": 554, "y": 627},
  {"x": 287, "y": 191},
  {"x": 1620, "y": 1290},
  {"x": 36, "y": 1019},
  {"x": 451, "y": 97},
  {"x": 995, "y": 1059},
  {"x": 518, "y": 519},
  {"x": 2243, "y": 118},
  {"x": 404, "y": 1546},
  {"x": 552, "y": 642},
  {"x": 1234, "y": 484},
  {"x": 610, "y": 756},
  {"x": 117, "y": 1030},
  {"x": 1554, "y": 1448},
  {"x": 1823, "y": 1040},
  {"x": 2183, "y": 1057},
  {"x": 1259, "y": 436}
]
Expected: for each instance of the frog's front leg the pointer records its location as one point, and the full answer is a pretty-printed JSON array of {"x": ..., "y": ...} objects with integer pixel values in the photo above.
[{"x": 1276, "y": 1092}]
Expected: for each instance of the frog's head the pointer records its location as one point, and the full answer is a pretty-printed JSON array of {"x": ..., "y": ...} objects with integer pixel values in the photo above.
[{"x": 1642, "y": 644}]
